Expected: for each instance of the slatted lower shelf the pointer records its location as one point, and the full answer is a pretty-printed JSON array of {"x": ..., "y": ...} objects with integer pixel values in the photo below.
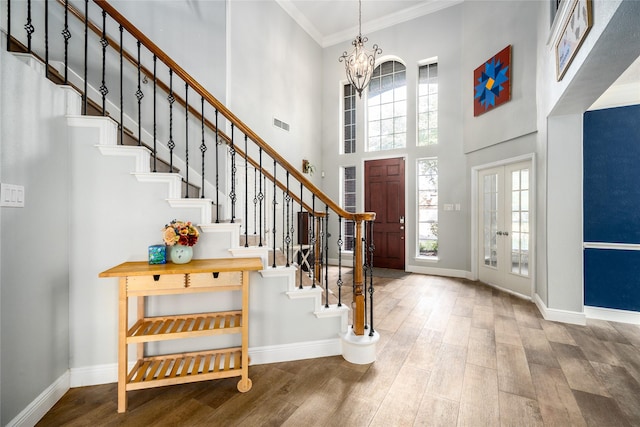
[
  {"x": 159, "y": 371},
  {"x": 185, "y": 326}
]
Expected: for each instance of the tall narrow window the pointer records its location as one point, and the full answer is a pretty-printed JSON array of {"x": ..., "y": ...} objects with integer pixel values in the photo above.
[
  {"x": 428, "y": 207},
  {"x": 349, "y": 127},
  {"x": 349, "y": 204},
  {"x": 387, "y": 107},
  {"x": 428, "y": 104}
]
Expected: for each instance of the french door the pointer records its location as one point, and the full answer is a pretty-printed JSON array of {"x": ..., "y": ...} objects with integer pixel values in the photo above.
[{"x": 504, "y": 227}]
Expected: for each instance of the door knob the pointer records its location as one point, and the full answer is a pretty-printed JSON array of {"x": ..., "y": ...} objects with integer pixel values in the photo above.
[{"x": 499, "y": 233}]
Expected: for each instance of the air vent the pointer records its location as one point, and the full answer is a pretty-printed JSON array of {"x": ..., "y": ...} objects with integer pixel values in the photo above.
[{"x": 280, "y": 124}]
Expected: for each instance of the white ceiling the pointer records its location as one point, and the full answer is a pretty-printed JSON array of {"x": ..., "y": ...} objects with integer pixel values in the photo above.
[{"x": 333, "y": 21}]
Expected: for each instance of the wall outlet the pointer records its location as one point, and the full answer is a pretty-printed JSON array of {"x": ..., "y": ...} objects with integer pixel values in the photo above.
[{"x": 11, "y": 195}]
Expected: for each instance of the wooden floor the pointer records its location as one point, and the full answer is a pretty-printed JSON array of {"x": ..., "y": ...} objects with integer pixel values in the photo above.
[{"x": 452, "y": 352}]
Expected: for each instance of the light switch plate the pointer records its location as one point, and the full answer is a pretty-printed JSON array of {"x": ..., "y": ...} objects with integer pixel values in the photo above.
[{"x": 11, "y": 195}]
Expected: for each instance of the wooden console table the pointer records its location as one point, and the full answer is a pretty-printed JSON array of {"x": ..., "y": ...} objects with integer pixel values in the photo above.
[{"x": 140, "y": 279}]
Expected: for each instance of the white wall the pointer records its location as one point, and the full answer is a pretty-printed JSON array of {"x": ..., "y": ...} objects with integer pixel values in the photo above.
[{"x": 34, "y": 279}]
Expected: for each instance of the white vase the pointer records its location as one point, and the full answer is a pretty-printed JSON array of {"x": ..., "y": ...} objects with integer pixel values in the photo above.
[{"x": 180, "y": 254}]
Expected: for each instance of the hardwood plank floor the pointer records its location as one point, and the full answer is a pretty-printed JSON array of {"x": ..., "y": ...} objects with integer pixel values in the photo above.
[{"x": 452, "y": 353}]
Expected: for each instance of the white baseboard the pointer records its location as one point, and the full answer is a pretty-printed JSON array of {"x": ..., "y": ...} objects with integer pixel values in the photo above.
[
  {"x": 435, "y": 271},
  {"x": 295, "y": 351},
  {"x": 95, "y": 375},
  {"x": 43, "y": 403},
  {"x": 612, "y": 315},
  {"x": 108, "y": 373},
  {"x": 556, "y": 315}
]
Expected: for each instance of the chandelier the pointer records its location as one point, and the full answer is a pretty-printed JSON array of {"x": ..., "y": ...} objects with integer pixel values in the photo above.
[{"x": 359, "y": 63}]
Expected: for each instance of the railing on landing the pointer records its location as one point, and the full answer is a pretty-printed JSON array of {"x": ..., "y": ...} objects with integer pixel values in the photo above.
[{"x": 274, "y": 178}]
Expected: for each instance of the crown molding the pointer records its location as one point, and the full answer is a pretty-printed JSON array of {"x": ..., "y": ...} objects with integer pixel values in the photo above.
[{"x": 369, "y": 26}]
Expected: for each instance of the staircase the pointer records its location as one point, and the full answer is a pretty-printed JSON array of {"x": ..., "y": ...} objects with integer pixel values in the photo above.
[{"x": 126, "y": 184}]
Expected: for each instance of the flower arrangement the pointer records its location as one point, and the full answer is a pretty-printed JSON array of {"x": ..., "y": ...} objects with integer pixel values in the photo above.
[{"x": 180, "y": 233}]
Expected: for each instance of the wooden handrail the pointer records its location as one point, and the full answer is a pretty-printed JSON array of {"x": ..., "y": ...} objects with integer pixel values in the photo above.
[{"x": 246, "y": 130}]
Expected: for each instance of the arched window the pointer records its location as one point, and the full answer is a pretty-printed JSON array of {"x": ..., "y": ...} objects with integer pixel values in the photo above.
[{"x": 387, "y": 107}]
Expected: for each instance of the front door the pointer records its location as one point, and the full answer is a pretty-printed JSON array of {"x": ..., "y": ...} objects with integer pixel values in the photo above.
[
  {"x": 384, "y": 195},
  {"x": 504, "y": 195}
]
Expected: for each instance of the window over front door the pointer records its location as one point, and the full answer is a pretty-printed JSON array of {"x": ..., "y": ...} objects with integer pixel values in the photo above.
[{"x": 387, "y": 107}]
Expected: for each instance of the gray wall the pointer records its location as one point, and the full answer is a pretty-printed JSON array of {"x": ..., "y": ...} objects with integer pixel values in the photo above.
[
  {"x": 275, "y": 70},
  {"x": 34, "y": 261},
  {"x": 609, "y": 48},
  {"x": 191, "y": 32},
  {"x": 435, "y": 35},
  {"x": 461, "y": 40},
  {"x": 511, "y": 23}
]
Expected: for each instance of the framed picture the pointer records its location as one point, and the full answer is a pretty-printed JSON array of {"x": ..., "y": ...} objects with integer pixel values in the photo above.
[
  {"x": 492, "y": 82},
  {"x": 575, "y": 27}
]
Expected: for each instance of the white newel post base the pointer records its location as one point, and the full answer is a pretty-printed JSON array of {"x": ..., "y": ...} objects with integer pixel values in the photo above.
[{"x": 359, "y": 349}]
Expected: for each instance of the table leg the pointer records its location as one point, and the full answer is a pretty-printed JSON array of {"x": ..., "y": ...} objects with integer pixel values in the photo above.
[
  {"x": 141, "y": 314},
  {"x": 123, "y": 324}
]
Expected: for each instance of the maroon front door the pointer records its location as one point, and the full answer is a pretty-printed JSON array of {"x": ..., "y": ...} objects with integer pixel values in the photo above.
[{"x": 384, "y": 195}]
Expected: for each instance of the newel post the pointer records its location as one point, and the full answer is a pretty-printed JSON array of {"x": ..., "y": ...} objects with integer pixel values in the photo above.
[{"x": 358, "y": 282}]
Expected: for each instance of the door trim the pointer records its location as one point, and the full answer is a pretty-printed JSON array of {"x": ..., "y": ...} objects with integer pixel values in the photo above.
[{"x": 475, "y": 171}]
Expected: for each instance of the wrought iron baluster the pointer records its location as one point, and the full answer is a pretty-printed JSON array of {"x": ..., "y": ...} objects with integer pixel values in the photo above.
[
  {"x": 86, "y": 56},
  {"x": 203, "y": 146},
  {"x": 265, "y": 212},
  {"x": 339, "y": 282},
  {"x": 67, "y": 35},
  {"x": 46, "y": 38},
  {"x": 121, "y": 89},
  {"x": 365, "y": 267},
  {"x": 300, "y": 237},
  {"x": 29, "y": 28},
  {"x": 326, "y": 255},
  {"x": 371, "y": 251},
  {"x": 291, "y": 224},
  {"x": 171, "y": 145},
  {"x": 283, "y": 247},
  {"x": 8, "y": 25},
  {"x": 255, "y": 201},
  {"x": 104, "y": 43},
  {"x": 260, "y": 200},
  {"x": 312, "y": 233},
  {"x": 217, "y": 172},
  {"x": 287, "y": 239},
  {"x": 186, "y": 135},
  {"x": 232, "y": 194},
  {"x": 246, "y": 194},
  {"x": 275, "y": 166},
  {"x": 139, "y": 96},
  {"x": 155, "y": 125}
]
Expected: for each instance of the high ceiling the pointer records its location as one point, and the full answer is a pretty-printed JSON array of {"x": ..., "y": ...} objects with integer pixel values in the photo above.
[
  {"x": 334, "y": 21},
  {"x": 330, "y": 22}
]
